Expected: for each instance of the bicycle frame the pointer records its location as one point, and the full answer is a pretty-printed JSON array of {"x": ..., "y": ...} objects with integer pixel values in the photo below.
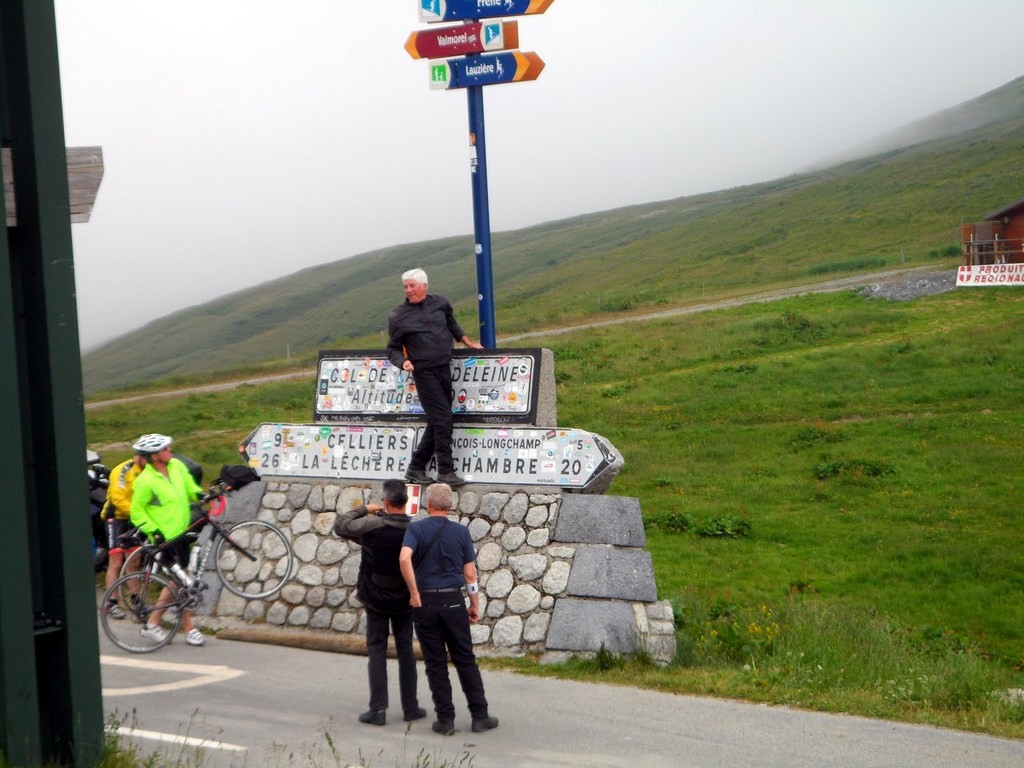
[{"x": 151, "y": 552}]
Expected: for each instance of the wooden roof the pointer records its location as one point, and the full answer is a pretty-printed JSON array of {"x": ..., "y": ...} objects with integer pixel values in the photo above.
[
  {"x": 1006, "y": 211},
  {"x": 85, "y": 171}
]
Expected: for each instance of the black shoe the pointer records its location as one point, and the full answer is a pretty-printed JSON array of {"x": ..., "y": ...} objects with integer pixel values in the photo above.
[
  {"x": 415, "y": 714},
  {"x": 372, "y": 717},
  {"x": 484, "y": 724},
  {"x": 417, "y": 476},
  {"x": 451, "y": 478},
  {"x": 446, "y": 727}
]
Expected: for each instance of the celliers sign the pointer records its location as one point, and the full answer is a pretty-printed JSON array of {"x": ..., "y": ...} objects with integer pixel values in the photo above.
[
  {"x": 488, "y": 387},
  {"x": 566, "y": 458}
]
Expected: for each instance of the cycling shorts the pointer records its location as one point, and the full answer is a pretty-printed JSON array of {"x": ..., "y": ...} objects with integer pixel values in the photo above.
[{"x": 121, "y": 535}]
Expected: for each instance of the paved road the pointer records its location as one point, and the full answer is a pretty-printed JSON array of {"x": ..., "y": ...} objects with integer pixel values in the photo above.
[{"x": 259, "y": 705}]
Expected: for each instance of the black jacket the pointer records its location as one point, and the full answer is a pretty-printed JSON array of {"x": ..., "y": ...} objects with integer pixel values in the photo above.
[
  {"x": 380, "y": 584},
  {"x": 423, "y": 332}
]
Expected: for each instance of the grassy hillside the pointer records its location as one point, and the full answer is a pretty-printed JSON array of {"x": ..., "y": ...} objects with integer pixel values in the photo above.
[{"x": 902, "y": 207}]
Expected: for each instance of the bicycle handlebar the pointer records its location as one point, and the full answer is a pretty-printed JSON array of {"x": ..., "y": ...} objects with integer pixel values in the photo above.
[{"x": 216, "y": 491}]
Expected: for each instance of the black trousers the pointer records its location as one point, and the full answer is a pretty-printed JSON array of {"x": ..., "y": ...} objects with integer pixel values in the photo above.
[
  {"x": 377, "y": 667},
  {"x": 442, "y": 626},
  {"x": 434, "y": 389}
]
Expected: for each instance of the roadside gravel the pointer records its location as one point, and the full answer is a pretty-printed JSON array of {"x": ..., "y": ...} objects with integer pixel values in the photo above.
[{"x": 913, "y": 286}]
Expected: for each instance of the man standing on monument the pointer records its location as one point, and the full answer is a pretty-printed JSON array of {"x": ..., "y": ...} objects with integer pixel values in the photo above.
[{"x": 420, "y": 333}]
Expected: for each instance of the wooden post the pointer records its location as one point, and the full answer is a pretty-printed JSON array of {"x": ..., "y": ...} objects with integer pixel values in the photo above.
[{"x": 51, "y": 704}]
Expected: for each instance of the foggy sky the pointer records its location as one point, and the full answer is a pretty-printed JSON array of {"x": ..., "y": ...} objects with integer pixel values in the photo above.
[{"x": 246, "y": 139}]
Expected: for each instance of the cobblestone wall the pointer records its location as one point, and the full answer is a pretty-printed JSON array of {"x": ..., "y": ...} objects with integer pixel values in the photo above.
[{"x": 523, "y": 571}]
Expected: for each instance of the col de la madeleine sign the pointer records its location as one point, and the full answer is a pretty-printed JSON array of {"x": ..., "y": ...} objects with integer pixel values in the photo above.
[{"x": 489, "y": 386}]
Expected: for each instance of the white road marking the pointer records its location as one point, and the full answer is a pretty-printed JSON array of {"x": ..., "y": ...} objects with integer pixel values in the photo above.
[
  {"x": 170, "y": 738},
  {"x": 201, "y": 674}
]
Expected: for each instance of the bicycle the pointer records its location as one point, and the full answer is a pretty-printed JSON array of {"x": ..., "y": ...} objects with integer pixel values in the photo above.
[
  {"x": 249, "y": 576},
  {"x": 253, "y": 559}
]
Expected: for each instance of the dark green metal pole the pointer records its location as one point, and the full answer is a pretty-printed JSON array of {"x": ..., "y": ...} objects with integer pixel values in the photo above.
[{"x": 51, "y": 705}]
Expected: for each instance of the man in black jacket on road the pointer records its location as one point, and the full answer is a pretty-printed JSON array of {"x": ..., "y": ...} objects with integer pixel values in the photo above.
[
  {"x": 420, "y": 333},
  {"x": 381, "y": 588}
]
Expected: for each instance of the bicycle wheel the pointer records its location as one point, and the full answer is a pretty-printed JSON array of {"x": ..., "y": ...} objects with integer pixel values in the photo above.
[
  {"x": 255, "y": 560},
  {"x": 135, "y": 561},
  {"x": 138, "y": 595}
]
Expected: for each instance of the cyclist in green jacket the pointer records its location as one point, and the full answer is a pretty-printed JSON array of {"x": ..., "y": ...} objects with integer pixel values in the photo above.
[{"x": 161, "y": 507}]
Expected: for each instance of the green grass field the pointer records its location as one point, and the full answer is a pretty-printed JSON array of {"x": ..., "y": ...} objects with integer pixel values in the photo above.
[{"x": 830, "y": 484}]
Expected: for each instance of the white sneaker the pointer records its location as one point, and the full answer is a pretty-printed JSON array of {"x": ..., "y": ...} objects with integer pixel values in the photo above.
[
  {"x": 154, "y": 633},
  {"x": 195, "y": 637}
]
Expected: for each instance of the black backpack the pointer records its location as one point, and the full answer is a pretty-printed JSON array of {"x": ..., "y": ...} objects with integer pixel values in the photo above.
[
  {"x": 194, "y": 467},
  {"x": 236, "y": 476}
]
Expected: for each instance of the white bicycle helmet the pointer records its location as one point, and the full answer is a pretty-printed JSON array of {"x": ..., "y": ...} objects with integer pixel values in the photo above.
[{"x": 152, "y": 443}]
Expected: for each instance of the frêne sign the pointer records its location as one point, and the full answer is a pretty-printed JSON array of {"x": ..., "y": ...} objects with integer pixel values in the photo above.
[{"x": 432, "y": 11}]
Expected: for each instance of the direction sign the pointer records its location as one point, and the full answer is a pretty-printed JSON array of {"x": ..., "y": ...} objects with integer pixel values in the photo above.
[
  {"x": 553, "y": 457},
  {"x": 467, "y": 38},
  {"x": 491, "y": 69},
  {"x": 459, "y": 10}
]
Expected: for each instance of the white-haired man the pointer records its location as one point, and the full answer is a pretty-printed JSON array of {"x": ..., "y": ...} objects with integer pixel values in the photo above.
[
  {"x": 420, "y": 334},
  {"x": 437, "y": 562}
]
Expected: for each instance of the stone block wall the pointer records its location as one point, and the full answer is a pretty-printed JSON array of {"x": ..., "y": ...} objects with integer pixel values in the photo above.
[{"x": 559, "y": 574}]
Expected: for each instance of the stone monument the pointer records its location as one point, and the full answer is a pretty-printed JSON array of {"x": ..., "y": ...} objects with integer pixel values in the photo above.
[{"x": 562, "y": 567}]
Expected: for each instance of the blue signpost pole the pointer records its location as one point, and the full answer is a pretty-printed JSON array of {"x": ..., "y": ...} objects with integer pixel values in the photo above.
[
  {"x": 481, "y": 216},
  {"x": 473, "y": 71}
]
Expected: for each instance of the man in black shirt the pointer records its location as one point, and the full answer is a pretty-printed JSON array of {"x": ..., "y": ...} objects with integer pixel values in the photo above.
[
  {"x": 420, "y": 333},
  {"x": 381, "y": 588}
]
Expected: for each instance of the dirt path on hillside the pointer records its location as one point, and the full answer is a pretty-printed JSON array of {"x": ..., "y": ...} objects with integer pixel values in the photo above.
[
  {"x": 220, "y": 387},
  {"x": 900, "y": 284}
]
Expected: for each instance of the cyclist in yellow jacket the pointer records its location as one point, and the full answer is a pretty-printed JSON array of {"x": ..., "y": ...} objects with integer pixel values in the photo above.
[
  {"x": 161, "y": 506},
  {"x": 116, "y": 514}
]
